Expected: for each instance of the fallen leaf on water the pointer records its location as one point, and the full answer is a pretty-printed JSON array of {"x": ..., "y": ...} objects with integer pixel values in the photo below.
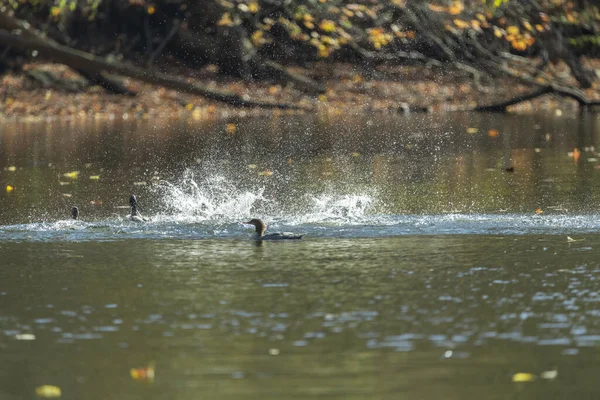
[
  {"x": 267, "y": 172},
  {"x": 355, "y": 154},
  {"x": 141, "y": 183},
  {"x": 575, "y": 154},
  {"x": 94, "y": 177},
  {"x": 472, "y": 131},
  {"x": 274, "y": 352},
  {"x": 252, "y": 166},
  {"x": 549, "y": 374},
  {"x": 67, "y": 195},
  {"x": 71, "y": 175},
  {"x": 571, "y": 240},
  {"x": 231, "y": 128},
  {"x": 9, "y": 189},
  {"x": 48, "y": 391},
  {"x": 12, "y": 168},
  {"x": 539, "y": 211},
  {"x": 25, "y": 336},
  {"x": 493, "y": 133},
  {"x": 145, "y": 374},
  {"x": 523, "y": 377}
]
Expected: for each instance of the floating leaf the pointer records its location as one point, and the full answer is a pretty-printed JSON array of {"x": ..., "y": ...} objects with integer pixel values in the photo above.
[
  {"x": 144, "y": 374},
  {"x": 274, "y": 352},
  {"x": 25, "y": 336},
  {"x": 71, "y": 175},
  {"x": 12, "y": 168},
  {"x": 355, "y": 154},
  {"x": 67, "y": 195},
  {"x": 576, "y": 154},
  {"x": 539, "y": 211},
  {"x": 231, "y": 128},
  {"x": 472, "y": 131},
  {"x": 549, "y": 375},
  {"x": 252, "y": 166},
  {"x": 523, "y": 377},
  {"x": 493, "y": 133},
  {"x": 9, "y": 189},
  {"x": 266, "y": 172},
  {"x": 94, "y": 177},
  {"x": 571, "y": 240},
  {"x": 48, "y": 391}
]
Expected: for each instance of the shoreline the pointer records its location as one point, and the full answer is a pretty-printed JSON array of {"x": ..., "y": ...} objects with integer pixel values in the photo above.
[{"x": 349, "y": 90}]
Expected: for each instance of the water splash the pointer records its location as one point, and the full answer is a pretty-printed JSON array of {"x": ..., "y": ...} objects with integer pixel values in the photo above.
[
  {"x": 211, "y": 199},
  {"x": 338, "y": 209}
]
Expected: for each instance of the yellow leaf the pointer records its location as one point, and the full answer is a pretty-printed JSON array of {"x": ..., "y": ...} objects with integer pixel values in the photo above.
[
  {"x": 436, "y": 8},
  {"x": 472, "y": 131},
  {"x": 327, "y": 26},
  {"x": 231, "y": 128},
  {"x": 151, "y": 9},
  {"x": 512, "y": 30},
  {"x": 456, "y": 8},
  {"x": 539, "y": 211},
  {"x": 523, "y": 377},
  {"x": 356, "y": 154},
  {"x": 493, "y": 133},
  {"x": 460, "y": 24},
  {"x": 55, "y": 11},
  {"x": 9, "y": 189},
  {"x": 94, "y": 177},
  {"x": 12, "y": 168},
  {"x": 48, "y": 391},
  {"x": 71, "y": 175},
  {"x": 253, "y": 7},
  {"x": 145, "y": 374},
  {"x": 225, "y": 20},
  {"x": 322, "y": 97},
  {"x": 189, "y": 106}
]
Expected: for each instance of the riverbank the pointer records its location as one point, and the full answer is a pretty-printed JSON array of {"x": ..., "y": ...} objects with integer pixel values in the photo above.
[{"x": 349, "y": 90}]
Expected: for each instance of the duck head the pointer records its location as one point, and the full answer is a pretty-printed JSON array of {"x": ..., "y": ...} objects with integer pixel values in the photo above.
[
  {"x": 75, "y": 212},
  {"x": 259, "y": 226}
]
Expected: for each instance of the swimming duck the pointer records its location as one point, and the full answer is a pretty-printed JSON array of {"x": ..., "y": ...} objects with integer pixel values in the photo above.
[
  {"x": 135, "y": 215},
  {"x": 75, "y": 212},
  {"x": 261, "y": 227}
]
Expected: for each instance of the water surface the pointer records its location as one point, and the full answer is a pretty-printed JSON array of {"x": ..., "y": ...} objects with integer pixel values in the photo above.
[{"x": 427, "y": 270}]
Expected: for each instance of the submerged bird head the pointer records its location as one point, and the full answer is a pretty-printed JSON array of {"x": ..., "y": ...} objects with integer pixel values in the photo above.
[
  {"x": 133, "y": 201},
  {"x": 258, "y": 225},
  {"x": 75, "y": 212}
]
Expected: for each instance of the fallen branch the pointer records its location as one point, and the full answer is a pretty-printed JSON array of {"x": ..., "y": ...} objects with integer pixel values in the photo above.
[
  {"x": 574, "y": 94},
  {"x": 80, "y": 60}
]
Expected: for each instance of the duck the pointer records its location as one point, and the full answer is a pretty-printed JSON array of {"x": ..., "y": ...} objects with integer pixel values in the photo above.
[
  {"x": 135, "y": 215},
  {"x": 261, "y": 227},
  {"x": 75, "y": 212}
]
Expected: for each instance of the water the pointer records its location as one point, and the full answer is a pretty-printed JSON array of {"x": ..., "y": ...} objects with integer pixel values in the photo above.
[{"x": 425, "y": 272}]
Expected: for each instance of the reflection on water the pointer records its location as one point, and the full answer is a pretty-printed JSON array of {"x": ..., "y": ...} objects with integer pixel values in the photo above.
[
  {"x": 425, "y": 271},
  {"x": 291, "y": 167}
]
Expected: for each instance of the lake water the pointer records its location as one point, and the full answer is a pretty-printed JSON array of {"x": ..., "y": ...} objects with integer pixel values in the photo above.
[{"x": 428, "y": 270}]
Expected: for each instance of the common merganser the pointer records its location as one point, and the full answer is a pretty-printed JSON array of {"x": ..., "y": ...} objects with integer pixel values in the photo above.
[
  {"x": 75, "y": 212},
  {"x": 135, "y": 215},
  {"x": 261, "y": 227}
]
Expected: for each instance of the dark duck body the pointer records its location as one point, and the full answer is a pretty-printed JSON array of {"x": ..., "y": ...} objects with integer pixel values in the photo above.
[
  {"x": 75, "y": 212},
  {"x": 261, "y": 227},
  {"x": 135, "y": 215}
]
